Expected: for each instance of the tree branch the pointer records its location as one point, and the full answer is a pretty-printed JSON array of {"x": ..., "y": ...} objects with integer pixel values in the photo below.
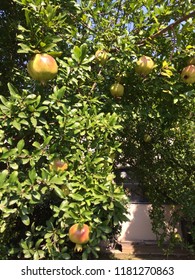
[
  {"x": 171, "y": 26},
  {"x": 95, "y": 83},
  {"x": 73, "y": 17}
]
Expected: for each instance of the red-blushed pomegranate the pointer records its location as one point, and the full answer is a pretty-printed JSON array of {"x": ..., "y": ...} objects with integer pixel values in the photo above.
[
  {"x": 79, "y": 234},
  {"x": 58, "y": 165},
  {"x": 42, "y": 67}
]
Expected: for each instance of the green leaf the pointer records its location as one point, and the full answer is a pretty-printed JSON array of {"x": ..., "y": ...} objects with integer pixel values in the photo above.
[
  {"x": 27, "y": 254},
  {"x": 33, "y": 121},
  {"x": 4, "y": 100},
  {"x": 60, "y": 93},
  {"x": 66, "y": 256},
  {"x": 88, "y": 60},
  {"x": 32, "y": 175},
  {"x": 28, "y": 22},
  {"x": 14, "y": 165},
  {"x": 22, "y": 115},
  {"x": 48, "y": 235},
  {"x": 13, "y": 91},
  {"x": 24, "y": 48},
  {"x": 56, "y": 180},
  {"x": 40, "y": 131},
  {"x": 20, "y": 145},
  {"x": 87, "y": 214},
  {"x": 24, "y": 210},
  {"x": 77, "y": 196},
  {"x": 31, "y": 96},
  {"x": 13, "y": 177},
  {"x": 26, "y": 220},
  {"x": 37, "y": 244},
  {"x": 36, "y": 145},
  {"x": 5, "y": 110},
  {"x": 98, "y": 160},
  {"x": 44, "y": 174},
  {"x": 85, "y": 255},
  {"x": 36, "y": 256},
  {"x": 9, "y": 153},
  {"x": 47, "y": 140},
  {"x": 36, "y": 196},
  {"x": 42, "y": 108},
  {"x": 83, "y": 51},
  {"x": 48, "y": 47},
  {"x": 105, "y": 229},
  {"x": 3, "y": 176},
  {"x": 25, "y": 122},
  {"x": 16, "y": 124},
  {"x": 64, "y": 205},
  {"x": 25, "y": 160},
  {"x": 24, "y": 245},
  {"x": 76, "y": 54},
  {"x": 59, "y": 192}
]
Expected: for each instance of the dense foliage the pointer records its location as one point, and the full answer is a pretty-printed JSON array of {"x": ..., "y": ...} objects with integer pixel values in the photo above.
[{"x": 75, "y": 118}]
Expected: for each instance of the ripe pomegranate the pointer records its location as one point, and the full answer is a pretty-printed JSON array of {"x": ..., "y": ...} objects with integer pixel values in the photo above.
[
  {"x": 144, "y": 65},
  {"x": 79, "y": 234},
  {"x": 42, "y": 67},
  {"x": 101, "y": 56},
  {"x": 188, "y": 74},
  {"x": 117, "y": 90},
  {"x": 58, "y": 165}
]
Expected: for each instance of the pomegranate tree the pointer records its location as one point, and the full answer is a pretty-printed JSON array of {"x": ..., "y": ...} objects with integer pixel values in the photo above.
[
  {"x": 42, "y": 67},
  {"x": 79, "y": 234}
]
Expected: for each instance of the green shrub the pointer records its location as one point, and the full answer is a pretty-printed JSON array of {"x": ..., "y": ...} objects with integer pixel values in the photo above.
[{"x": 38, "y": 204}]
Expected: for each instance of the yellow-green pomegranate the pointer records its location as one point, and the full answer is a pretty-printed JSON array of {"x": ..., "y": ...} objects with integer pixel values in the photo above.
[{"x": 42, "y": 67}]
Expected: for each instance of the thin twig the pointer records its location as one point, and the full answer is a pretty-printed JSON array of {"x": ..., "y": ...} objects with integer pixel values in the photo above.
[
  {"x": 73, "y": 17},
  {"x": 174, "y": 43},
  {"x": 95, "y": 83},
  {"x": 171, "y": 26},
  {"x": 118, "y": 10}
]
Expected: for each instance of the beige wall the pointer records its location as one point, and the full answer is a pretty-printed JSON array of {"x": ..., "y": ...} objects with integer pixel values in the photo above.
[{"x": 139, "y": 227}]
